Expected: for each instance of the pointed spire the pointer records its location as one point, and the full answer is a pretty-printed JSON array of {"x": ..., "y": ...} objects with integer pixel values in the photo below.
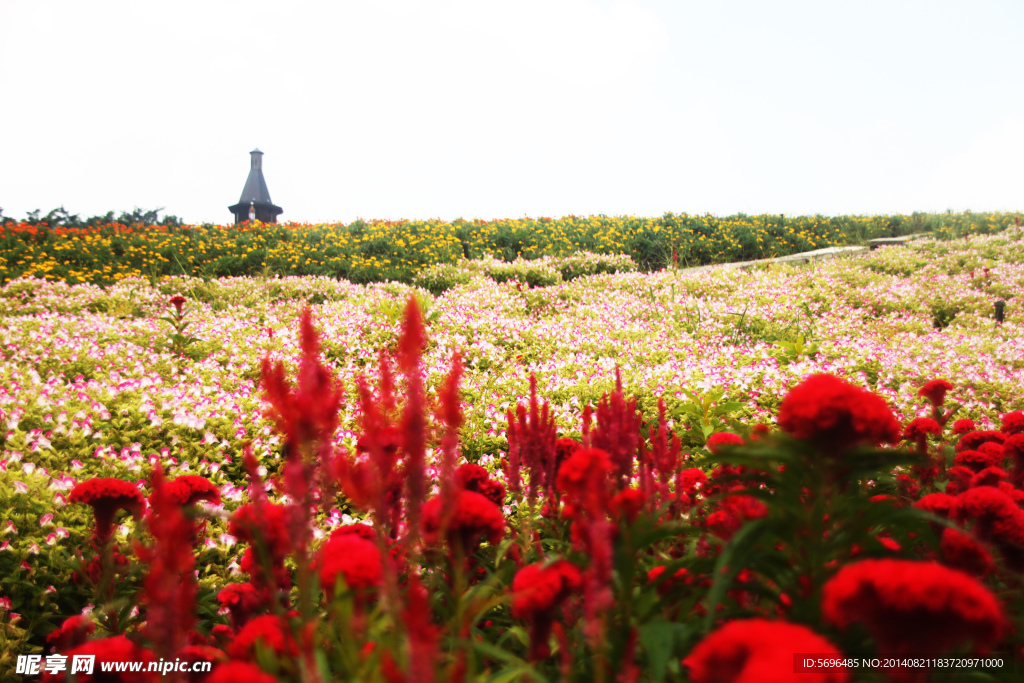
[{"x": 255, "y": 194}]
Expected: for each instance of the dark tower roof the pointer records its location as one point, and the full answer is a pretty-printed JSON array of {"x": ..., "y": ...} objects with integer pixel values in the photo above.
[
  {"x": 255, "y": 193},
  {"x": 255, "y": 189}
]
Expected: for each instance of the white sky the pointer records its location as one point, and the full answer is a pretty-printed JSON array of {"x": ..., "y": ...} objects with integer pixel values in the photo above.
[{"x": 482, "y": 109}]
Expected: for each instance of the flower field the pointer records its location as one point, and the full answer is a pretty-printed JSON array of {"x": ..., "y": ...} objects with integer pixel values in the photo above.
[
  {"x": 565, "y": 469},
  {"x": 398, "y": 250}
]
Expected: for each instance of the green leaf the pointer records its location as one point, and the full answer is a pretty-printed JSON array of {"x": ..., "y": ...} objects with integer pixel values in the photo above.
[
  {"x": 657, "y": 637},
  {"x": 733, "y": 559}
]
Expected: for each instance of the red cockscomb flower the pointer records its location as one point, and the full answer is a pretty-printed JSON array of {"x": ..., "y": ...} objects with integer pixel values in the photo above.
[
  {"x": 72, "y": 633},
  {"x": 582, "y": 468},
  {"x": 475, "y": 478},
  {"x": 963, "y": 426},
  {"x": 935, "y": 391},
  {"x": 907, "y": 486},
  {"x": 472, "y": 516},
  {"x": 106, "y": 496},
  {"x": 1013, "y": 449},
  {"x": 189, "y": 489},
  {"x": 757, "y": 650},
  {"x": 308, "y": 411},
  {"x": 356, "y": 560},
  {"x": 1015, "y": 494},
  {"x": 565, "y": 447},
  {"x": 627, "y": 504},
  {"x": 538, "y": 590},
  {"x": 826, "y": 410},
  {"x": 361, "y": 530},
  {"x": 177, "y": 301},
  {"x": 541, "y": 588},
  {"x": 972, "y": 440},
  {"x": 722, "y": 440},
  {"x": 239, "y": 672},
  {"x": 1013, "y": 423},
  {"x": 910, "y": 606},
  {"x": 267, "y": 523},
  {"x": 269, "y": 631},
  {"x": 975, "y": 461},
  {"x": 990, "y": 476},
  {"x": 690, "y": 481},
  {"x": 116, "y": 649},
  {"x": 993, "y": 515},
  {"x": 959, "y": 479},
  {"x": 962, "y": 551},
  {"x": 921, "y": 426},
  {"x": 583, "y": 478},
  {"x": 468, "y": 476},
  {"x": 280, "y": 578},
  {"x": 242, "y": 600},
  {"x": 170, "y": 585},
  {"x": 733, "y": 513}
]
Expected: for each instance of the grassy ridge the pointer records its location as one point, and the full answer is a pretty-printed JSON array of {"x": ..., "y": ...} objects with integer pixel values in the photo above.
[{"x": 398, "y": 250}]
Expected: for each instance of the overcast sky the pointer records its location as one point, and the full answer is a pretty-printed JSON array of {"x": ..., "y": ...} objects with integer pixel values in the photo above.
[{"x": 481, "y": 109}]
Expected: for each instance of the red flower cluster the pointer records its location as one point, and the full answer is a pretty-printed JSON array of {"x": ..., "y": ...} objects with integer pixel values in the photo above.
[
  {"x": 756, "y": 650},
  {"x": 115, "y": 649},
  {"x": 721, "y": 440},
  {"x": 475, "y": 478},
  {"x": 963, "y": 426},
  {"x": 971, "y": 441},
  {"x": 690, "y": 481},
  {"x": 532, "y": 447},
  {"x": 935, "y": 391},
  {"x": 472, "y": 517},
  {"x": 1013, "y": 448},
  {"x": 242, "y": 600},
  {"x": 1013, "y": 423},
  {"x": 733, "y": 512},
  {"x": 541, "y": 588},
  {"x": 178, "y": 301},
  {"x": 912, "y": 606},
  {"x": 837, "y": 415},
  {"x": 72, "y": 633},
  {"x": 264, "y": 523},
  {"x": 626, "y": 505},
  {"x": 309, "y": 412},
  {"x": 189, "y": 489},
  {"x": 583, "y": 477},
  {"x": 170, "y": 583},
  {"x": 961, "y": 551},
  {"x": 355, "y": 559},
  {"x": 976, "y": 461},
  {"x": 269, "y": 631},
  {"x": 994, "y": 517},
  {"x": 918, "y": 431},
  {"x": 538, "y": 590},
  {"x": 106, "y": 496},
  {"x": 239, "y": 672}
]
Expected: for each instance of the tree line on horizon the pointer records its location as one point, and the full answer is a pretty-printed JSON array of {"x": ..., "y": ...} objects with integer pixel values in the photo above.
[{"x": 61, "y": 217}]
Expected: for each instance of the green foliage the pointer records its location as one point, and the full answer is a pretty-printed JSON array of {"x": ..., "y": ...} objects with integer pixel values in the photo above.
[
  {"x": 103, "y": 250},
  {"x": 60, "y": 217}
]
